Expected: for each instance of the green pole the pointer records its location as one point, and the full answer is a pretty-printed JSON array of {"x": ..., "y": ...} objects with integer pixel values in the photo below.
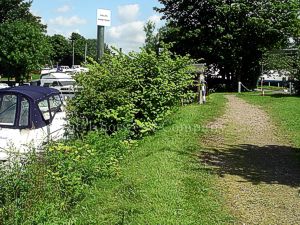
[{"x": 100, "y": 42}]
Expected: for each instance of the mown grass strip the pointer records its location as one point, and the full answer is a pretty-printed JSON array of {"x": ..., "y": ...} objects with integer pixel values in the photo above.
[
  {"x": 161, "y": 181},
  {"x": 284, "y": 110}
]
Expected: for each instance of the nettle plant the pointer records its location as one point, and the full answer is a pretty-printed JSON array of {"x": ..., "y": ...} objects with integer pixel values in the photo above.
[{"x": 133, "y": 92}]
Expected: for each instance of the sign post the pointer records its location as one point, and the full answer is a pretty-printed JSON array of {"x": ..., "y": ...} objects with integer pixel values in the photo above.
[
  {"x": 103, "y": 20},
  {"x": 200, "y": 81}
]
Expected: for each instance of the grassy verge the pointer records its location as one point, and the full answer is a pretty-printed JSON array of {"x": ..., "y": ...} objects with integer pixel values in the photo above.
[
  {"x": 271, "y": 88},
  {"x": 284, "y": 109},
  {"x": 100, "y": 179},
  {"x": 161, "y": 181}
]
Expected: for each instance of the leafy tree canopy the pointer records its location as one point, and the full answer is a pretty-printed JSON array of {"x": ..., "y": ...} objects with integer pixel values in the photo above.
[
  {"x": 23, "y": 46},
  {"x": 11, "y": 10},
  {"x": 230, "y": 34},
  {"x": 61, "y": 50},
  {"x": 152, "y": 39}
]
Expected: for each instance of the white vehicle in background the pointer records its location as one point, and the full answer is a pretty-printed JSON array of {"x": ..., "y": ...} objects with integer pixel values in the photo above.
[{"x": 29, "y": 116}]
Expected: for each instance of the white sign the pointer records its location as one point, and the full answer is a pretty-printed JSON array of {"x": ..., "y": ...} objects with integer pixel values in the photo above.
[{"x": 103, "y": 17}]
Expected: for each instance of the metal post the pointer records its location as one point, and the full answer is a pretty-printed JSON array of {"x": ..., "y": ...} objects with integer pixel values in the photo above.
[
  {"x": 73, "y": 53},
  {"x": 85, "y": 53},
  {"x": 240, "y": 87},
  {"x": 100, "y": 42}
]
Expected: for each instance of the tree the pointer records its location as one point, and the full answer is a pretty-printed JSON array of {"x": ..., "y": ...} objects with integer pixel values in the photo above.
[
  {"x": 152, "y": 39},
  {"x": 230, "y": 34},
  {"x": 23, "y": 48},
  {"x": 79, "y": 43},
  {"x": 23, "y": 45},
  {"x": 61, "y": 50},
  {"x": 11, "y": 10},
  {"x": 92, "y": 48}
]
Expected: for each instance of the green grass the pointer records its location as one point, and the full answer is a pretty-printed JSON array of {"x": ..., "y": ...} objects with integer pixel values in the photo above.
[
  {"x": 35, "y": 76},
  {"x": 161, "y": 181},
  {"x": 285, "y": 111},
  {"x": 270, "y": 88}
]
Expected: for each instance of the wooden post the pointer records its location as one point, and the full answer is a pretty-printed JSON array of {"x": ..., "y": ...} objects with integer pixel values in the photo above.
[{"x": 239, "y": 87}]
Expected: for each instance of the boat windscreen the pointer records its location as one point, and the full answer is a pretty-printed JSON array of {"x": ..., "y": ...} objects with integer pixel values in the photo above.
[
  {"x": 8, "y": 108},
  {"x": 67, "y": 83}
]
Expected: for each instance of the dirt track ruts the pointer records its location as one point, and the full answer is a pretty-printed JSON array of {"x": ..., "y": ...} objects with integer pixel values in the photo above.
[{"x": 259, "y": 173}]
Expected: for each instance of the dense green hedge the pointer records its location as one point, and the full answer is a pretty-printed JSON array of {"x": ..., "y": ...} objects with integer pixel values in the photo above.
[{"x": 134, "y": 92}]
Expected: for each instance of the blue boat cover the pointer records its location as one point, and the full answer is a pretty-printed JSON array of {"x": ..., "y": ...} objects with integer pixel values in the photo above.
[{"x": 34, "y": 94}]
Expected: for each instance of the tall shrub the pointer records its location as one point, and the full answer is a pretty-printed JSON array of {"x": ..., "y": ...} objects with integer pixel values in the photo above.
[{"x": 134, "y": 91}]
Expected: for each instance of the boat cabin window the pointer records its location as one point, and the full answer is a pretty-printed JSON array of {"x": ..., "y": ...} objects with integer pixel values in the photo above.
[
  {"x": 44, "y": 107},
  {"x": 55, "y": 83},
  {"x": 24, "y": 113},
  {"x": 49, "y": 109},
  {"x": 59, "y": 83},
  {"x": 55, "y": 104},
  {"x": 8, "y": 108},
  {"x": 66, "y": 83},
  {"x": 46, "y": 84}
]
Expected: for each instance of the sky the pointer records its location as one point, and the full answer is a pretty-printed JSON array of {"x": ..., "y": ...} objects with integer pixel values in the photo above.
[{"x": 128, "y": 18}]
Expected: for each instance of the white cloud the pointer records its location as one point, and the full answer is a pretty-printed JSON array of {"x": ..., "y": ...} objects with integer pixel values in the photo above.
[
  {"x": 156, "y": 20},
  {"x": 35, "y": 13},
  {"x": 129, "y": 36},
  {"x": 128, "y": 13},
  {"x": 63, "y": 9},
  {"x": 67, "y": 33},
  {"x": 67, "y": 21}
]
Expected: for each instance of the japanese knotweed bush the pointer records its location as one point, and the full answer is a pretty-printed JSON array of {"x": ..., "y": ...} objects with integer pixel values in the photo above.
[{"x": 133, "y": 92}]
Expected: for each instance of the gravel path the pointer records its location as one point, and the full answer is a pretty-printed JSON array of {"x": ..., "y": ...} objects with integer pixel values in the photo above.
[{"x": 259, "y": 173}]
